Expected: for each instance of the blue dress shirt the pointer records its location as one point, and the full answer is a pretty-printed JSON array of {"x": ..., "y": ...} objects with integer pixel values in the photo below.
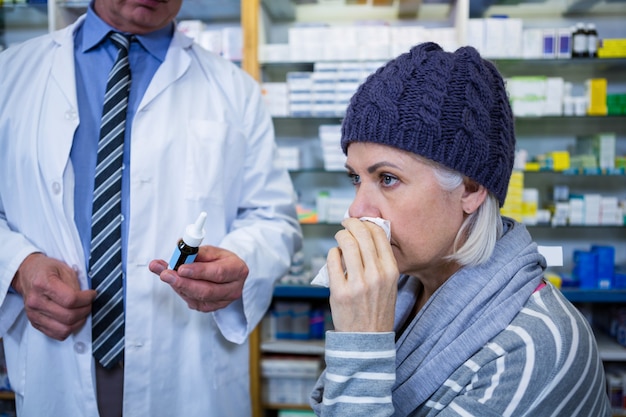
[{"x": 94, "y": 55}]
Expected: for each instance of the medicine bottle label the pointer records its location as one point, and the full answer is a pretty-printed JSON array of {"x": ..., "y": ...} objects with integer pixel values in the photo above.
[{"x": 180, "y": 257}]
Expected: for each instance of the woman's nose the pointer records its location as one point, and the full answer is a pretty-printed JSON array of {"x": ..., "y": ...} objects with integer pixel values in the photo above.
[{"x": 363, "y": 205}]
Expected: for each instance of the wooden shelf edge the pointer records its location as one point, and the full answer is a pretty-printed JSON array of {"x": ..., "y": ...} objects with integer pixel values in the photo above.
[
  {"x": 7, "y": 395},
  {"x": 296, "y": 347}
]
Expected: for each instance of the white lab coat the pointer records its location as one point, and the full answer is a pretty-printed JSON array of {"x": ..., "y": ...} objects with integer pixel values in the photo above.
[{"x": 201, "y": 140}]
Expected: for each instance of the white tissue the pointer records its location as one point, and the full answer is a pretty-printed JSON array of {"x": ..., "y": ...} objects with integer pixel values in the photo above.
[
  {"x": 553, "y": 254},
  {"x": 321, "y": 279}
]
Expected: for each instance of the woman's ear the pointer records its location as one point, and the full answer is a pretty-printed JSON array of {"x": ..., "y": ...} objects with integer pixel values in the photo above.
[{"x": 473, "y": 196}]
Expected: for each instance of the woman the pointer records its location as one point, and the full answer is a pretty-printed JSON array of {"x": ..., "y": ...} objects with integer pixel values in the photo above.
[{"x": 451, "y": 316}]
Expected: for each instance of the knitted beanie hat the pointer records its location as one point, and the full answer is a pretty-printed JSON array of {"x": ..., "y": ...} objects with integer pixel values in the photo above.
[{"x": 451, "y": 108}]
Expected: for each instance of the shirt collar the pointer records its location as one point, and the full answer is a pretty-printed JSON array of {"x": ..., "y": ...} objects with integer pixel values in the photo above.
[{"x": 95, "y": 31}]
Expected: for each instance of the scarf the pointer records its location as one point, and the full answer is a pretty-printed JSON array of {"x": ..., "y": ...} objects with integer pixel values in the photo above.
[{"x": 466, "y": 312}]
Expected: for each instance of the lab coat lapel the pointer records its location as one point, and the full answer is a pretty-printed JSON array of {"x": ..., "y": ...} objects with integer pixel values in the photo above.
[
  {"x": 60, "y": 121},
  {"x": 62, "y": 71},
  {"x": 176, "y": 63}
]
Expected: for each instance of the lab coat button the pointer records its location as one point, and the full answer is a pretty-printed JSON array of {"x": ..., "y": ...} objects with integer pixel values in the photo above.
[
  {"x": 56, "y": 187},
  {"x": 79, "y": 347},
  {"x": 71, "y": 114},
  {"x": 133, "y": 344}
]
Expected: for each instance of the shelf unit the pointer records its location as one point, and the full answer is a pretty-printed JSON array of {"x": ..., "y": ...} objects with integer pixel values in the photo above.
[
  {"x": 574, "y": 295},
  {"x": 19, "y": 22},
  {"x": 275, "y": 20},
  {"x": 531, "y": 131}
]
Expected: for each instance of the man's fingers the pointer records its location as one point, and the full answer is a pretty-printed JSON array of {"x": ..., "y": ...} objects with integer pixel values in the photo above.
[
  {"x": 157, "y": 266},
  {"x": 67, "y": 297}
]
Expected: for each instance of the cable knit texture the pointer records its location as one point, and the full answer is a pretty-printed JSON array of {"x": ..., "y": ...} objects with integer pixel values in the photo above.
[{"x": 451, "y": 108}]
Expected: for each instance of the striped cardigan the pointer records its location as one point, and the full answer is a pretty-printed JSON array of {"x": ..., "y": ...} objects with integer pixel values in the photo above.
[{"x": 545, "y": 363}]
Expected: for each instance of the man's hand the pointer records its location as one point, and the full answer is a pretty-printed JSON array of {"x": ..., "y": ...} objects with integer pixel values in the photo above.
[
  {"x": 210, "y": 283},
  {"x": 53, "y": 300}
]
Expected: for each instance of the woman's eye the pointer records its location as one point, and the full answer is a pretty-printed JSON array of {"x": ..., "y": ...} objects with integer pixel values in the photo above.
[
  {"x": 388, "y": 180},
  {"x": 354, "y": 178}
]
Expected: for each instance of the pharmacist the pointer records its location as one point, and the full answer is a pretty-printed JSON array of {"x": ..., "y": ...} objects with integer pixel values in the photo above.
[{"x": 195, "y": 139}]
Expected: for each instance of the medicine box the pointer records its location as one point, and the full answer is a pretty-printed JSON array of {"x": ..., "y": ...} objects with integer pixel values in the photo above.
[
  {"x": 596, "y": 96},
  {"x": 289, "y": 380}
]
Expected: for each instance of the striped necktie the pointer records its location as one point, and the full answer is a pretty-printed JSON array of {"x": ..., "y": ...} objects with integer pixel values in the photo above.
[{"x": 105, "y": 262}]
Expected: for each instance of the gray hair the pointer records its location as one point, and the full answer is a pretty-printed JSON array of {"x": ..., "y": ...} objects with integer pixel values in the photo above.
[{"x": 476, "y": 239}]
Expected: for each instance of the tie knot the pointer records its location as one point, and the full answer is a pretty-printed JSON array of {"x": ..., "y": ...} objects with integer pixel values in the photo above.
[{"x": 120, "y": 40}]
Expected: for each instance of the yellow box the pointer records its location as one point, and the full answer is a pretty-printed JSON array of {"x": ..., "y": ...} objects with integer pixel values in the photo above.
[
  {"x": 553, "y": 278},
  {"x": 596, "y": 97},
  {"x": 612, "y": 53},
  {"x": 306, "y": 215},
  {"x": 532, "y": 166},
  {"x": 614, "y": 43},
  {"x": 517, "y": 179},
  {"x": 517, "y": 216},
  {"x": 560, "y": 160}
]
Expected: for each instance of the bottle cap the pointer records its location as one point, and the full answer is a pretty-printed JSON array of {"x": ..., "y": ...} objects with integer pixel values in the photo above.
[{"x": 194, "y": 233}]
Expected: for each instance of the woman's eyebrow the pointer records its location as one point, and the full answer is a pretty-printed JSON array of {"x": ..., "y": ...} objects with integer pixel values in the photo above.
[
  {"x": 374, "y": 167},
  {"x": 378, "y": 165}
]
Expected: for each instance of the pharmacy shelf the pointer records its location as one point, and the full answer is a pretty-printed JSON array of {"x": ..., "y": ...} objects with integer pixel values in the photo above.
[
  {"x": 21, "y": 21},
  {"x": 588, "y": 172},
  {"x": 536, "y": 226},
  {"x": 551, "y": 119},
  {"x": 547, "y": 126},
  {"x": 504, "y": 65},
  {"x": 573, "y": 295},
  {"x": 576, "y": 68},
  {"x": 615, "y": 122},
  {"x": 300, "y": 291},
  {"x": 594, "y": 296},
  {"x": 81, "y": 5},
  {"x": 536, "y": 134},
  {"x": 11, "y": 6},
  {"x": 610, "y": 350},
  {"x": 293, "y": 347},
  {"x": 618, "y": 172}
]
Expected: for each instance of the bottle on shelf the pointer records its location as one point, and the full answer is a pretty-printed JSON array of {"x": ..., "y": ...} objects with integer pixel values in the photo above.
[
  {"x": 579, "y": 41},
  {"x": 592, "y": 40}
]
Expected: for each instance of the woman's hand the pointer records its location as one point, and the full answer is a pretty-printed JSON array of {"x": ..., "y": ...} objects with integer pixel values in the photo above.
[{"x": 363, "y": 277}]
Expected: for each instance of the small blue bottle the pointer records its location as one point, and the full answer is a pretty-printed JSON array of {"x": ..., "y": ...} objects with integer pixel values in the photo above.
[{"x": 187, "y": 247}]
